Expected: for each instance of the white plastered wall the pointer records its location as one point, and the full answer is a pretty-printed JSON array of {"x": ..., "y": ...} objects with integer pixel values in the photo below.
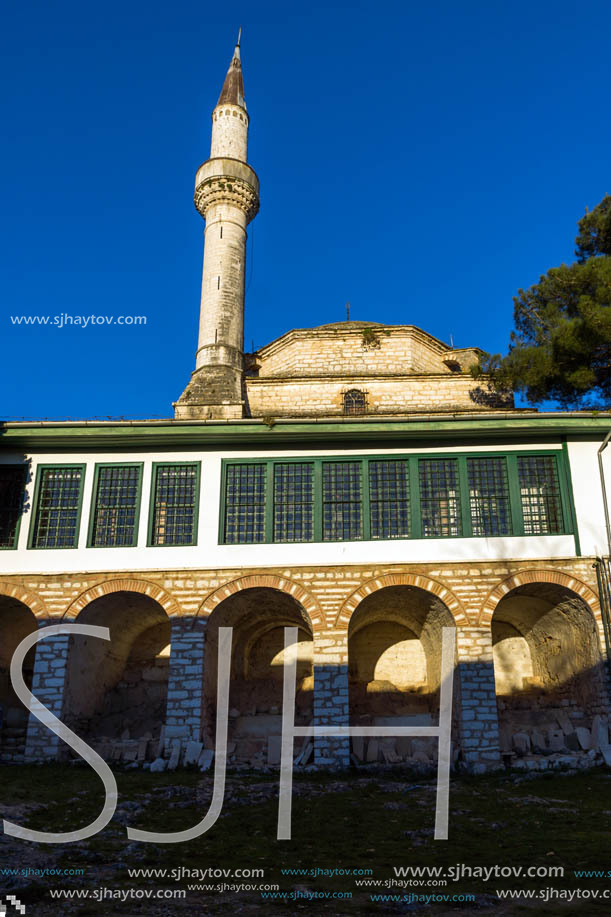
[{"x": 208, "y": 553}]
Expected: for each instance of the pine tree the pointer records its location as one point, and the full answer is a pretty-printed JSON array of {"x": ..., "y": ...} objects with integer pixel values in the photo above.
[{"x": 560, "y": 349}]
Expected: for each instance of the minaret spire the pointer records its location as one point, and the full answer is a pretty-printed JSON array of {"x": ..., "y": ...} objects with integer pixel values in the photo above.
[
  {"x": 227, "y": 196},
  {"x": 233, "y": 87}
]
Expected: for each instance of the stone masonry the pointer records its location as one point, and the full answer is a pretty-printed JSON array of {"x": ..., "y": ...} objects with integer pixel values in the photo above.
[{"x": 471, "y": 592}]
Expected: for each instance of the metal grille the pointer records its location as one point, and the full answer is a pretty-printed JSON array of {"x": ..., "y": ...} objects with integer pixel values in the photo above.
[
  {"x": 57, "y": 510},
  {"x": 389, "y": 499},
  {"x": 116, "y": 506},
  {"x": 245, "y": 504},
  {"x": 439, "y": 497},
  {"x": 12, "y": 482},
  {"x": 540, "y": 494},
  {"x": 294, "y": 502},
  {"x": 175, "y": 500},
  {"x": 355, "y": 402},
  {"x": 489, "y": 496},
  {"x": 342, "y": 513}
]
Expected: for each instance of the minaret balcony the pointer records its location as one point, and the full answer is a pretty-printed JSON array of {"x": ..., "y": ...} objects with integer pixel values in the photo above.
[{"x": 230, "y": 181}]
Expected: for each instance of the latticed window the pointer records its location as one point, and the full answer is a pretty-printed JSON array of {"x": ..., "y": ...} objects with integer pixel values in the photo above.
[
  {"x": 116, "y": 505},
  {"x": 341, "y": 501},
  {"x": 245, "y": 504},
  {"x": 489, "y": 496},
  {"x": 294, "y": 502},
  {"x": 355, "y": 402},
  {"x": 345, "y": 498},
  {"x": 389, "y": 499},
  {"x": 174, "y": 504},
  {"x": 12, "y": 484},
  {"x": 439, "y": 497},
  {"x": 58, "y": 507},
  {"x": 540, "y": 495}
]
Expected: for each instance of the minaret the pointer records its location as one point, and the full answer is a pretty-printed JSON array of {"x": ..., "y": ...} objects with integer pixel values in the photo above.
[{"x": 227, "y": 196}]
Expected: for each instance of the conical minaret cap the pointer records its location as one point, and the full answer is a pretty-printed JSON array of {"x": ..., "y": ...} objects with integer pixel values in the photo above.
[{"x": 233, "y": 88}]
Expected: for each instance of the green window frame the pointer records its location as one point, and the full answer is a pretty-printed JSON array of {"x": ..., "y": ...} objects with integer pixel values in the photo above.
[
  {"x": 389, "y": 498},
  {"x": 12, "y": 496},
  {"x": 293, "y": 502},
  {"x": 244, "y": 519},
  {"x": 394, "y": 496},
  {"x": 540, "y": 495},
  {"x": 174, "y": 504},
  {"x": 440, "y": 497},
  {"x": 489, "y": 498},
  {"x": 115, "y": 505},
  {"x": 58, "y": 501}
]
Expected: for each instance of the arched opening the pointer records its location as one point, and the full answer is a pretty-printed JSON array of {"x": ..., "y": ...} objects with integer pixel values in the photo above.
[
  {"x": 16, "y": 622},
  {"x": 258, "y": 617},
  {"x": 547, "y": 667},
  {"x": 116, "y": 693},
  {"x": 394, "y": 654}
]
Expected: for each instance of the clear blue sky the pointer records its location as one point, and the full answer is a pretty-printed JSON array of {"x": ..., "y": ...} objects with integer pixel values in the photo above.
[{"x": 422, "y": 160}]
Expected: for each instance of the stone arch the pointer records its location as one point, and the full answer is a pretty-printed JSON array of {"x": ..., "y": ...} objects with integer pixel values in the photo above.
[
  {"x": 117, "y": 689},
  {"x": 257, "y": 609},
  {"x": 33, "y": 601},
  {"x": 269, "y": 581},
  {"x": 152, "y": 590},
  {"x": 548, "y": 657},
  {"x": 401, "y": 579},
  {"x": 538, "y": 576}
]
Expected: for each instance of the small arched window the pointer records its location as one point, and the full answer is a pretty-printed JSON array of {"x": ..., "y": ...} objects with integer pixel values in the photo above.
[{"x": 355, "y": 402}]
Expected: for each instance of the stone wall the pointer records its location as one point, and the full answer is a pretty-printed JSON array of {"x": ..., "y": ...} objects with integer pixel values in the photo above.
[
  {"x": 357, "y": 348},
  {"x": 469, "y": 593},
  {"x": 395, "y": 395}
]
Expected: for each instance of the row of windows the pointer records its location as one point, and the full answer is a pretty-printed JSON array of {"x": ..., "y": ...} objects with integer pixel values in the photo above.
[
  {"x": 115, "y": 506},
  {"x": 299, "y": 500},
  {"x": 375, "y": 498}
]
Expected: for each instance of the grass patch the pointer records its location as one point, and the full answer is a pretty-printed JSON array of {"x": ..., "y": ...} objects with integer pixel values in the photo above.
[{"x": 352, "y": 822}]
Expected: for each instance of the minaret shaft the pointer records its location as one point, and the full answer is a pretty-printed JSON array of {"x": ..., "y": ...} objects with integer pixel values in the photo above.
[
  {"x": 227, "y": 196},
  {"x": 221, "y": 329}
]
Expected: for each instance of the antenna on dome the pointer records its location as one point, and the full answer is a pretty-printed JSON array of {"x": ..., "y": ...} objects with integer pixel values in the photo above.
[{"x": 347, "y": 311}]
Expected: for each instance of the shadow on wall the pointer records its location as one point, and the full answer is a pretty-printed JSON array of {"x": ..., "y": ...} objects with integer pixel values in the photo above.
[
  {"x": 117, "y": 689},
  {"x": 258, "y": 617},
  {"x": 394, "y": 652},
  {"x": 550, "y": 676},
  {"x": 16, "y": 622}
]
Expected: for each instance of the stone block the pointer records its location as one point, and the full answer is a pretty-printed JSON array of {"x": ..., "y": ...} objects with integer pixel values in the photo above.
[
  {"x": 175, "y": 755},
  {"x": 192, "y": 752},
  {"x": 584, "y": 737},
  {"x": 556, "y": 741},
  {"x": 521, "y": 743},
  {"x": 372, "y": 750},
  {"x": 538, "y": 742},
  {"x": 205, "y": 759},
  {"x": 600, "y": 732},
  {"x": 274, "y": 748}
]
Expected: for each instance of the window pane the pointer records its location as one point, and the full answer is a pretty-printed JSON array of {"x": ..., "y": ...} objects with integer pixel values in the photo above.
[
  {"x": 540, "y": 494},
  {"x": 489, "y": 496},
  {"x": 355, "y": 402},
  {"x": 389, "y": 499},
  {"x": 342, "y": 516},
  {"x": 116, "y": 506},
  {"x": 245, "y": 504},
  {"x": 12, "y": 484},
  {"x": 294, "y": 502},
  {"x": 58, "y": 508},
  {"x": 439, "y": 497},
  {"x": 174, "y": 507}
]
